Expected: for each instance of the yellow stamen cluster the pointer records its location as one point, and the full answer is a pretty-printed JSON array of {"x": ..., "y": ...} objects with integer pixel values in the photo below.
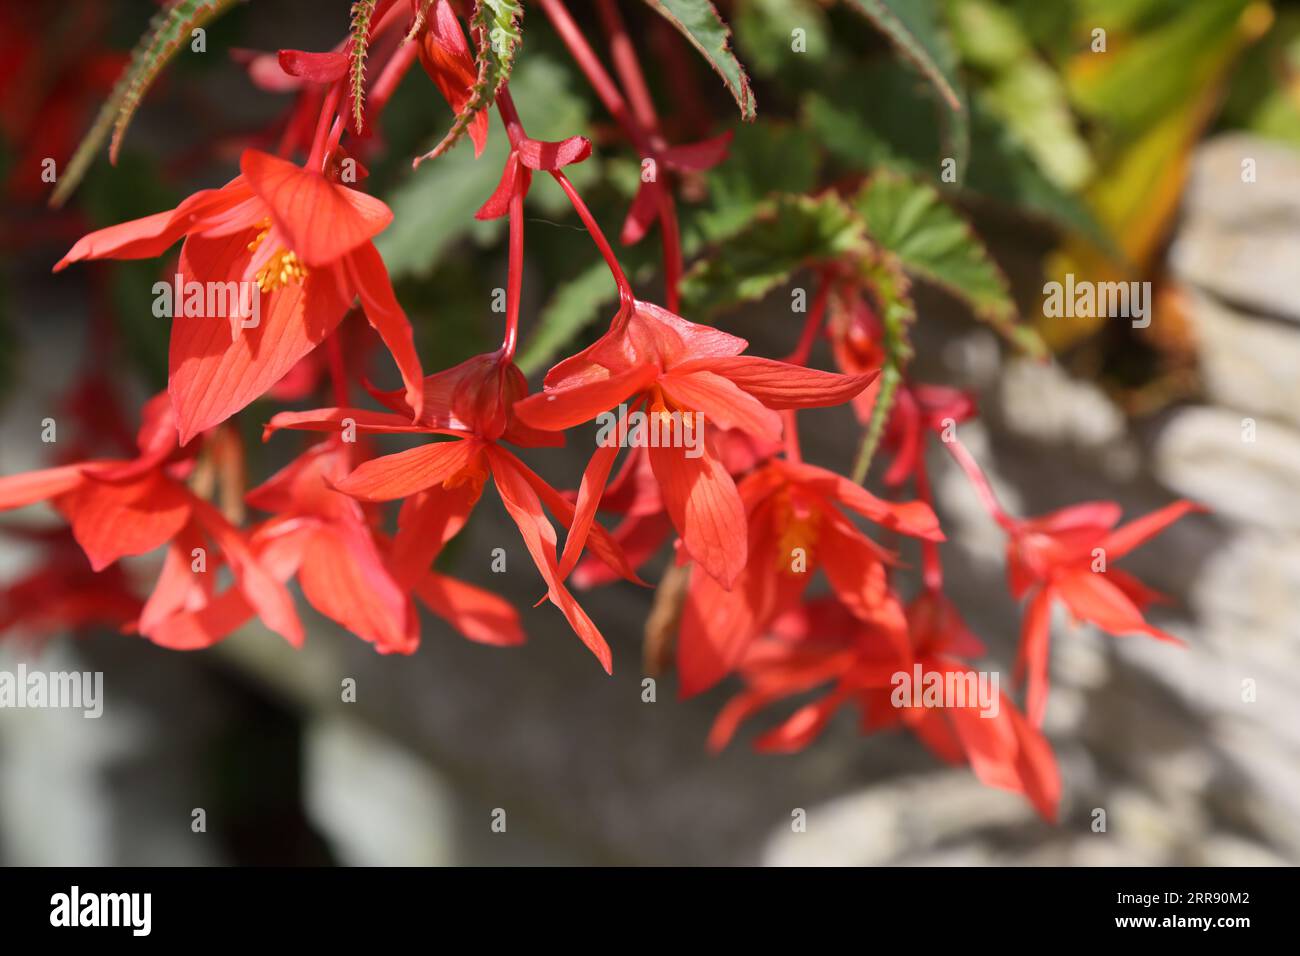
[
  {"x": 282, "y": 268},
  {"x": 798, "y": 525}
]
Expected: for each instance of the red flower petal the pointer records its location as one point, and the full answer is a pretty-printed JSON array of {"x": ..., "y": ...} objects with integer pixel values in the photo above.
[
  {"x": 322, "y": 220},
  {"x": 782, "y": 385},
  {"x": 343, "y": 577},
  {"x": 561, "y": 408},
  {"x": 539, "y": 537},
  {"x": 706, "y": 510},
  {"x": 1137, "y": 532},
  {"x": 477, "y": 614},
  {"x": 537, "y": 154},
  {"x": 405, "y": 473},
  {"x": 723, "y": 403},
  {"x": 370, "y": 277},
  {"x": 211, "y": 374},
  {"x": 316, "y": 67},
  {"x": 110, "y": 520}
]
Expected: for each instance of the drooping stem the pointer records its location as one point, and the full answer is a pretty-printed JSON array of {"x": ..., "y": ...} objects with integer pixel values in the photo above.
[
  {"x": 672, "y": 246},
  {"x": 328, "y": 114},
  {"x": 931, "y": 566},
  {"x": 600, "y": 80},
  {"x": 812, "y": 324},
  {"x": 628, "y": 67},
  {"x": 980, "y": 482},
  {"x": 514, "y": 278},
  {"x": 626, "y": 298},
  {"x": 510, "y": 116},
  {"x": 338, "y": 370},
  {"x": 790, "y": 428}
]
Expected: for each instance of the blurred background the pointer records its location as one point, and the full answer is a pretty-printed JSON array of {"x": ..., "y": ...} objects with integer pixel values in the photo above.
[{"x": 1170, "y": 155}]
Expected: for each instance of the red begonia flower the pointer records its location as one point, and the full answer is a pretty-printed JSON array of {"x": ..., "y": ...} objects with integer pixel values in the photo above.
[
  {"x": 688, "y": 157},
  {"x": 823, "y": 643},
  {"x": 446, "y": 57},
  {"x": 441, "y": 482},
  {"x": 795, "y": 526},
  {"x": 651, "y": 356},
  {"x": 1066, "y": 556},
  {"x": 304, "y": 241},
  {"x": 122, "y": 508}
]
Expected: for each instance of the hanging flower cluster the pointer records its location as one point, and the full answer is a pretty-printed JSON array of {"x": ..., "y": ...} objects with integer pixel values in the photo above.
[{"x": 752, "y": 523}]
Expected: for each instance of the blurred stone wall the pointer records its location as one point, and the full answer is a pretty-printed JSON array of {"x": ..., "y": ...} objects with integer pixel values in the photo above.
[{"x": 586, "y": 772}]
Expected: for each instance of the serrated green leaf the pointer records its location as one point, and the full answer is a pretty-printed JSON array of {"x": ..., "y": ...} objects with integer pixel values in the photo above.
[
  {"x": 932, "y": 242},
  {"x": 915, "y": 28},
  {"x": 786, "y": 233},
  {"x": 575, "y": 305},
  {"x": 702, "y": 25},
  {"x": 168, "y": 31}
]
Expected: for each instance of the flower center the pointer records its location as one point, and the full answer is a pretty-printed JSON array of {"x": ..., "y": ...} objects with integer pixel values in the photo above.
[{"x": 281, "y": 268}]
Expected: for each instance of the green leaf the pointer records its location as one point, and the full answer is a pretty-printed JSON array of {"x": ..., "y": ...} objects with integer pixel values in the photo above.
[
  {"x": 704, "y": 28},
  {"x": 1021, "y": 90},
  {"x": 872, "y": 123},
  {"x": 574, "y": 306},
  {"x": 786, "y": 233},
  {"x": 496, "y": 24},
  {"x": 914, "y": 27},
  {"x": 934, "y": 243},
  {"x": 765, "y": 35},
  {"x": 765, "y": 158},
  {"x": 168, "y": 31}
]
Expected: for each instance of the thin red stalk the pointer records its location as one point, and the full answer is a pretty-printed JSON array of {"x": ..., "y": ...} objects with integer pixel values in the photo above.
[
  {"x": 514, "y": 277},
  {"x": 510, "y": 116},
  {"x": 595, "y": 72},
  {"x": 811, "y": 325},
  {"x": 790, "y": 425},
  {"x": 628, "y": 67},
  {"x": 931, "y": 565},
  {"x": 672, "y": 246},
  {"x": 980, "y": 482},
  {"x": 328, "y": 112},
  {"x": 391, "y": 75},
  {"x": 626, "y": 298},
  {"x": 338, "y": 370}
]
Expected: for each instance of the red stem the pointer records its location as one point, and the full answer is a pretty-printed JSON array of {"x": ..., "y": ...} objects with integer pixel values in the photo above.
[
  {"x": 595, "y": 72},
  {"x": 980, "y": 482},
  {"x": 931, "y": 565},
  {"x": 626, "y": 298},
  {"x": 628, "y": 67},
  {"x": 514, "y": 277},
  {"x": 338, "y": 370},
  {"x": 329, "y": 111},
  {"x": 811, "y": 325},
  {"x": 672, "y": 246}
]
